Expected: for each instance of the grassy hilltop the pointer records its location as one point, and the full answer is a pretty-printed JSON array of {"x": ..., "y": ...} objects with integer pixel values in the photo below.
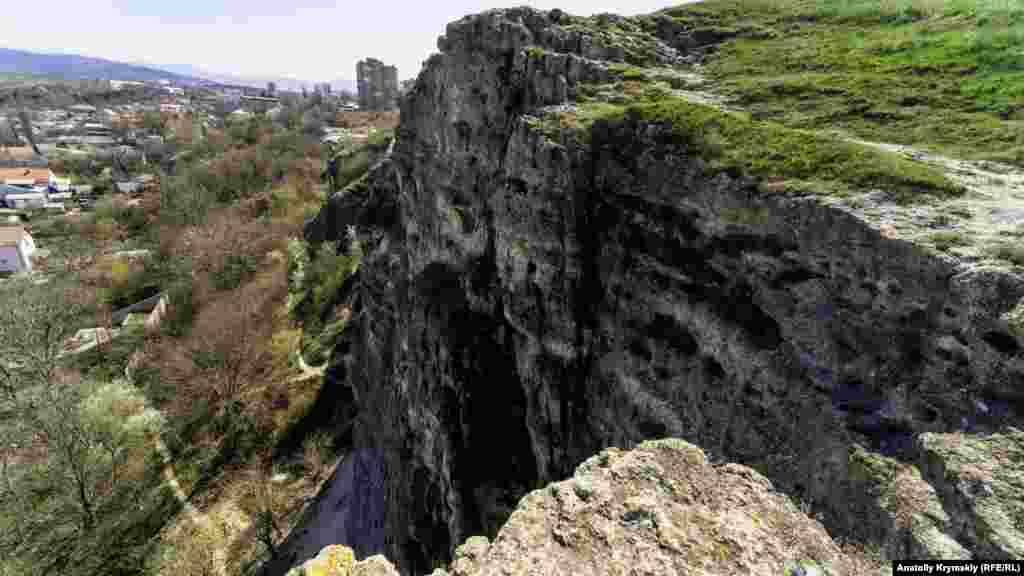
[{"x": 939, "y": 74}]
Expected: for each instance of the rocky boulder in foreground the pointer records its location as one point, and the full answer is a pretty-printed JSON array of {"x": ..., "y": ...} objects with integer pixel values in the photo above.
[{"x": 661, "y": 508}]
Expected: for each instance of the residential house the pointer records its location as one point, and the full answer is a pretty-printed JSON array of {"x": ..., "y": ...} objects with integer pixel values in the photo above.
[
  {"x": 28, "y": 177},
  {"x": 62, "y": 184},
  {"x": 16, "y": 249},
  {"x": 130, "y": 187},
  {"x": 120, "y": 84},
  {"x": 26, "y": 199},
  {"x": 15, "y": 156}
]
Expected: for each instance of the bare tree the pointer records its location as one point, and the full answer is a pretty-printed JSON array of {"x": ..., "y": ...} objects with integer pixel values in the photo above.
[{"x": 26, "y": 129}]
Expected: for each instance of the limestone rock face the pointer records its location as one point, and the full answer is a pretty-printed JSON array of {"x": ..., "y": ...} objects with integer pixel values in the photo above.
[
  {"x": 527, "y": 301},
  {"x": 658, "y": 509},
  {"x": 982, "y": 480},
  {"x": 340, "y": 561}
]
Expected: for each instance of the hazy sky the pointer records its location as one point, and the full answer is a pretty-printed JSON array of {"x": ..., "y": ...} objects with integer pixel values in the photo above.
[{"x": 306, "y": 39}]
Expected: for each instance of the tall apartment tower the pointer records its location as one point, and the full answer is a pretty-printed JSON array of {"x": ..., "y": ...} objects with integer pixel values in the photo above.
[{"x": 377, "y": 84}]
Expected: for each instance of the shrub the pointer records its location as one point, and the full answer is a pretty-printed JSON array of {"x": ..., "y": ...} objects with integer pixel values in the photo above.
[
  {"x": 949, "y": 239},
  {"x": 181, "y": 309},
  {"x": 317, "y": 451},
  {"x": 236, "y": 268},
  {"x": 129, "y": 285},
  {"x": 327, "y": 274}
]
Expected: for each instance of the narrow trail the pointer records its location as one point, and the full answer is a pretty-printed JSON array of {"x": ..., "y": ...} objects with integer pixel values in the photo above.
[
  {"x": 308, "y": 372},
  {"x": 200, "y": 520},
  {"x": 989, "y": 214}
]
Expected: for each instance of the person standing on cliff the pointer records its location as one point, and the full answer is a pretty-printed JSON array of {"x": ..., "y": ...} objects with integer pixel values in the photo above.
[{"x": 332, "y": 172}]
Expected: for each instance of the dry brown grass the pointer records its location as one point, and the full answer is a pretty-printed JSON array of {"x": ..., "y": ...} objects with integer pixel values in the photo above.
[
  {"x": 379, "y": 120},
  {"x": 249, "y": 335}
]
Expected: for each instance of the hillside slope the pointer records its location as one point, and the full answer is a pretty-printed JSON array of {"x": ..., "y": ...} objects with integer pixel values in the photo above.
[
  {"x": 75, "y": 67},
  {"x": 589, "y": 235}
]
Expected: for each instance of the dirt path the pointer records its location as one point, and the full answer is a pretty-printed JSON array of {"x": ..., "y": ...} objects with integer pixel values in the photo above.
[
  {"x": 200, "y": 520},
  {"x": 992, "y": 210},
  {"x": 308, "y": 372}
]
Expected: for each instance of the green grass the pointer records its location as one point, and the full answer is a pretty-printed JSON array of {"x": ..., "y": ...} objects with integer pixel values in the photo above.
[
  {"x": 780, "y": 158},
  {"x": 949, "y": 239},
  {"x": 1013, "y": 253},
  {"x": 380, "y": 137},
  {"x": 941, "y": 74}
]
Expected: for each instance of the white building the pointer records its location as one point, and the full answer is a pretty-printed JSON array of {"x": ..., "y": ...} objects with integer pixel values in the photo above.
[
  {"x": 16, "y": 249},
  {"x": 27, "y": 200},
  {"x": 119, "y": 84}
]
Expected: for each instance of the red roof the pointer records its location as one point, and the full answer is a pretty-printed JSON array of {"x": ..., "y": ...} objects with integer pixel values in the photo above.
[{"x": 37, "y": 175}]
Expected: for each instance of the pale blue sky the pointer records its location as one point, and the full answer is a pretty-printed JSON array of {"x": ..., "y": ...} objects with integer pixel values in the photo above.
[{"x": 315, "y": 40}]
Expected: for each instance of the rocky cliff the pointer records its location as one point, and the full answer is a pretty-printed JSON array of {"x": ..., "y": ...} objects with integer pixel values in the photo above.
[
  {"x": 569, "y": 248},
  {"x": 661, "y": 508}
]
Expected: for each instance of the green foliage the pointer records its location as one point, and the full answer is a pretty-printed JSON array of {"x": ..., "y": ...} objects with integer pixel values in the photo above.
[
  {"x": 87, "y": 502},
  {"x": 142, "y": 283},
  {"x": 327, "y": 272},
  {"x": 108, "y": 361},
  {"x": 949, "y": 239},
  {"x": 153, "y": 123},
  {"x": 56, "y": 227},
  {"x": 132, "y": 218},
  {"x": 239, "y": 436},
  {"x": 314, "y": 288},
  {"x": 184, "y": 200},
  {"x": 353, "y": 167},
  {"x": 181, "y": 309},
  {"x": 235, "y": 269},
  {"x": 380, "y": 137}
]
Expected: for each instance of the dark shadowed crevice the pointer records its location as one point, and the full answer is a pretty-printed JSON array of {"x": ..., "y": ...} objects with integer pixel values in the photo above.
[
  {"x": 676, "y": 337},
  {"x": 1003, "y": 343},
  {"x": 794, "y": 276},
  {"x": 495, "y": 462},
  {"x": 736, "y": 305},
  {"x": 483, "y": 411}
]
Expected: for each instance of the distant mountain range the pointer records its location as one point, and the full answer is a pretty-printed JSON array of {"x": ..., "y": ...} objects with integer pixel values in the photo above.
[{"x": 75, "y": 67}]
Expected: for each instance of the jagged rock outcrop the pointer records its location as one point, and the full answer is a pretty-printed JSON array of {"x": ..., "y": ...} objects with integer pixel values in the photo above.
[
  {"x": 658, "y": 509},
  {"x": 661, "y": 508},
  {"x": 340, "y": 561},
  {"x": 529, "y": 299}
]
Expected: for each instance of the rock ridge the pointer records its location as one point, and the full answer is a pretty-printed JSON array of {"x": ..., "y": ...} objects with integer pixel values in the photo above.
[{"x": 531, "y": 297}]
